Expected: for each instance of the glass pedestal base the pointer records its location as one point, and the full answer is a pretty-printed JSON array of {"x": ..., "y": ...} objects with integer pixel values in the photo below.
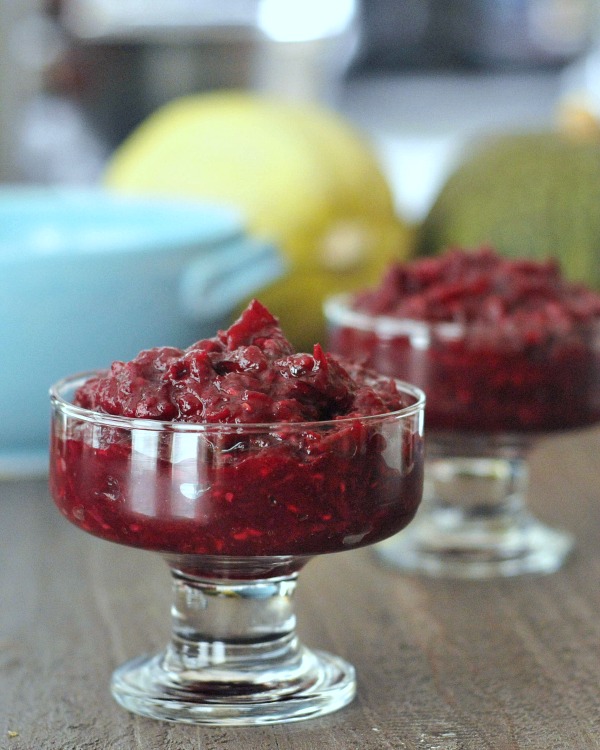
[
  {"x": 318, "y": 684},
  {"x": 474, "y": 522},
  {"x": 479, "y": 552},
  {"x": 234, "y": 657}
]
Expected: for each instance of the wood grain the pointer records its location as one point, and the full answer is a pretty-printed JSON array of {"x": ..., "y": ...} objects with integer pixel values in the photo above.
[{"x": 442, "y": 665}]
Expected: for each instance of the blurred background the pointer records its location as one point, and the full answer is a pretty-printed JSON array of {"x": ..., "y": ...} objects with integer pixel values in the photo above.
[
  {"x": 388, "y": 98},
  {"x": 418, "y": 76}
]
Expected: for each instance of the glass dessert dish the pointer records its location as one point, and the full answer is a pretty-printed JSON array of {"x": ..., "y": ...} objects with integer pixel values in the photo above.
[
  {"x": 236, "y": 510},
  {"x": 496, "y": 382}
]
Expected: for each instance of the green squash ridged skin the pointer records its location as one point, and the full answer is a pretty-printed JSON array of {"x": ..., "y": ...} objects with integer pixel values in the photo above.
[{"x": 534, "y": 195}]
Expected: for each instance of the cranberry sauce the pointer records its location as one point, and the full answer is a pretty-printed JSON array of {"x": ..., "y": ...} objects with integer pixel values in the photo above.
[
  {"x": 317, "y": 475},
  {"x": 504, "y": 345}
]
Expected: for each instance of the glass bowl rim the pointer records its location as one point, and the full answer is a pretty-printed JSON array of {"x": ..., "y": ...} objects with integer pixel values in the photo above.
[
  {"x": 60, "y": 403},
  {"x": 338, "y": 311}
]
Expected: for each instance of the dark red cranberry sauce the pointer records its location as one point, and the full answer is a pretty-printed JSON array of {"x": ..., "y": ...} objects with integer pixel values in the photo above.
[
  {"x": 247, "y": 374},
  {"x": 291, "y": 489},
  {"x": 523, "y": 355}
]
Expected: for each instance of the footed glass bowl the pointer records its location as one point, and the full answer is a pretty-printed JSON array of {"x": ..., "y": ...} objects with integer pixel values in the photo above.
[
  {"x": 490, "y": 398},
  {"x": 236, "y": 511}
]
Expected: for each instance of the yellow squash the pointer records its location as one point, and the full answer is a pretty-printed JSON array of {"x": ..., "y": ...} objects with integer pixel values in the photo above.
[{"x": 300, "y": 174}]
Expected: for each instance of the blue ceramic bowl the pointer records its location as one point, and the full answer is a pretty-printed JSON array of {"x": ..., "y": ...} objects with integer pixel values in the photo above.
[{"x": 87, "y": 277}]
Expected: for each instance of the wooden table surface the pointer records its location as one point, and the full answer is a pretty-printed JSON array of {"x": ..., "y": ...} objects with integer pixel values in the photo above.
[{"x": 442, "y": 665}]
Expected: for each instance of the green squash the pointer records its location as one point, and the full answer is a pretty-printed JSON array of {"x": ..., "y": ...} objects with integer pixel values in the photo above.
[{"x": 531, "y": 195}]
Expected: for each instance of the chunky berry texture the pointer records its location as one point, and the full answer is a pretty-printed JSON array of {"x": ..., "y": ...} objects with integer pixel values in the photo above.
[
  {"x": 247, "y": 374},
  {"x": 525, "y": 300},
  {"x": 314, "y": 478},
  {"x": 522, "y": 352}
]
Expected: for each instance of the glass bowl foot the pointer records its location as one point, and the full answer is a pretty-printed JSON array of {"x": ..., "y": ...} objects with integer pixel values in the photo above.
[
  {"x": 317, "y": 683},
  {"x": 476, "y": 551},
  {"x": 474, "y": 521}
]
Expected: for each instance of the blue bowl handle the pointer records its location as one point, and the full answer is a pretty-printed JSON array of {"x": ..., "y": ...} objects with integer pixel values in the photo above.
[{"x": 215, "y": 283}]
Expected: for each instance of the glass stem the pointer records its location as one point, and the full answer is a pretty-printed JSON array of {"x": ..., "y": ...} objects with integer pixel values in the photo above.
[
  {"x": 234, "y": 657},
  {"x": 232, "y": 627},
  {"x": 474, "y": 521},
  {"x": 479, "y": 490}
]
